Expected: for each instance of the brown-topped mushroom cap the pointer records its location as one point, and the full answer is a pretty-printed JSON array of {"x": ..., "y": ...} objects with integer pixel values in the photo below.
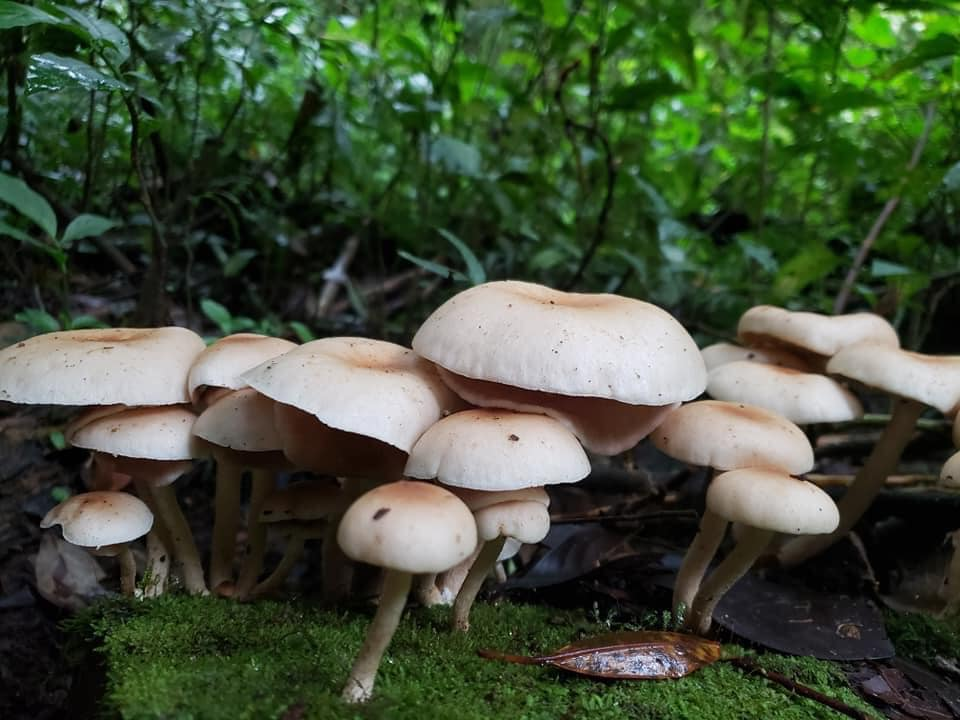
[
  {"x": 100, "y": 518},
  {"x": 155, "y": 433},
  {"x": 221, "y": 364}
]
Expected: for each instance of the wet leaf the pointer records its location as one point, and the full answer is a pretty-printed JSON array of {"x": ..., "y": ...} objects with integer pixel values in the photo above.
[{"x": 641, "y": 655}]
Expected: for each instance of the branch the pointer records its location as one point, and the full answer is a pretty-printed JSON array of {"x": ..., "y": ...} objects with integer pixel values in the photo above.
[{"x": 840, "y": 303}]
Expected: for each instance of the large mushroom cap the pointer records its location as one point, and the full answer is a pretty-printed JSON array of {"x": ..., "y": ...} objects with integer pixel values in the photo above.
[
  {"x": 242, "y": 420},
  {"x": 129, "y": 366},
  {"x": 536, "y": 338},
  {"x": 488, "y": 449},
  {"x": 799, "y": 396},
  {"x": 766, "y": 325},
  {"x": 727, "y": 436},
  {"x": 933, "y": 380},
  {"x": 100, "y": 518},
  {"x": 408, "y": 526},
  {"x": 370, "y": 387},
  {"x": 154, "y": 433},
  {"x": 221, "y": 364},
  {"x": 770, "y": 500}
]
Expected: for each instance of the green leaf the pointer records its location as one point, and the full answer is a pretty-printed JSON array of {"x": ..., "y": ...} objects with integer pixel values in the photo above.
[
  {"x": 303, "y": 333},
  {"x": 29, "y": 203},
  {"x": 217, "y": 314},
  {"x": 81, "y": 322},
  {"x": 455, "y": 156},
  {"x": 86, "y": 225},
  {"x": 58, "y": 440},
  {"x": 49, "y": 72},
  {"x": 237, "y": 262},
  {"x": 39, "y": 320},
  {"x": 475, "y": 269},
  {"x": 555, "y": 12},
  {"x": 13, "y": 15},
  {"x": 885, "y": 268},
  {"x": 940, "y": 46},
  {"x": 433, "y": 267},
  {"x": 809, "y": 265},
  {"x": 641, "y": 95},
  {"x": 849, "y": 98},
  {"x": 16, "y": 234},
  {"x": 100, "y": 32}
]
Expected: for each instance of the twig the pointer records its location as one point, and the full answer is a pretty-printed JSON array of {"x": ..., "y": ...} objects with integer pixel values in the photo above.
[
  {"x": 751, "y": 667},
  {"x": 840, "y": 303},
  {"x": 336, "y": 275}
]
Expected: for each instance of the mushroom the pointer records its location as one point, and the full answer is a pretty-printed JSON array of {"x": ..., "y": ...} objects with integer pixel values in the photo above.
[
  {"x": 764, "y": 502},
  {"x": 105, "y": 522},
  {"x": 914, "y": 382},
  {"x": 609, "y": 368},
  {"x": 722, "y": 353},
  {"x": 405, "y": 528},
  {"x": 726, "y": 436}
]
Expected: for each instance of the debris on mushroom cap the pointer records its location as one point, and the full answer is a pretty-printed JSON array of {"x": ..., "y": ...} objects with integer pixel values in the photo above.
[
  {"x": 727, "y": 436},
  {"x": 100, "y": 518},
  {"x": 129, "y": 366},
  {"x": 370, "y": 387},
  {"x": 487, "y": 449},
  {"x": 409, "y": 526},
  {"x": 766, "y": 325},
  {"x": 242, "y": 420},
  {"x": 155, "y": 433},
  {"x": 480, "y": 499},
  {"x": 801, "y": 397},
  {"x": 771, "y": 500},
  {"x": 221, "y": 363},
  {"x": 950, "y": 473},
  {"x": 933, "y": 380},
  {"x": 722, "y": 352},
  {"x": 591, "y": 345},
  {"x": 528, "y": 522}
]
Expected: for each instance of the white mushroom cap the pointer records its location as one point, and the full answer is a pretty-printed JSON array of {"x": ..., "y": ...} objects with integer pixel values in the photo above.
[
  {"x": 480, "y": 499},
  {"x": 221, "y": 363},
  {"x": 486, "y": 449},
  {"x": 370, "y": 387},
  {"x": 528, "y": 522},
  {"x": 722, "y": 352},
  {"x": 933, "y": 380},
  {"x": 242, "y": 420},
  {"x": 129, "y": 366},
  {"x": 728, "y": 436},
  {"x": 408, "y": 526},
  {"x": 99, "y": 518},
  {"x": 533, "y": 337},
  {"x": 155, "y": 433},
  {"x": 950, "y": 473},
  {"x": 801, "y": 397},
  {"x": 770, "y": 500},
  {"x": 825, "y": 335}
]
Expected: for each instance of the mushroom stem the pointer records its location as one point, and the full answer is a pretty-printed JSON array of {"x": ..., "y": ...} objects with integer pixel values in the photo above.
[
  {"x": 951, "y": 582},
  {"x": 292, "y": 552},
  {"x": 450, "y": 581},
  {"x": 474, "y": 581},
  {"x": 867, "y": 484},
  {"x": 337, "y": 567},
  {"x": 158, "y": 565},
  {"x": 426, "y": 591},
  {"x": 697, "y": 560},
  {"x": 128, "y": 570},
  {"x": 261, "y": 485},
  {"x": 393, "y": 598},
  {"x": 226, "y": 519},
  {"x": 181, "y": 538},
  {"x": 734, "y": 566}
]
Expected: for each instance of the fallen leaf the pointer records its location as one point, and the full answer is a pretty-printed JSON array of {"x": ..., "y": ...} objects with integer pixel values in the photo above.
[
  {"x": 67, "y": 575},
  {"x": 641, "y": 655}
]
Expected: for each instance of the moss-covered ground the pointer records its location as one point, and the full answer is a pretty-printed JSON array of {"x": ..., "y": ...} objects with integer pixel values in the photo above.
[{"x": 202, "y": 658}]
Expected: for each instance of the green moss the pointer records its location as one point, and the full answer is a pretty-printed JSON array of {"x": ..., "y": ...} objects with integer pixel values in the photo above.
[
  {"x": 923, "y": 637},
  {"x": 205, "y": 658}
]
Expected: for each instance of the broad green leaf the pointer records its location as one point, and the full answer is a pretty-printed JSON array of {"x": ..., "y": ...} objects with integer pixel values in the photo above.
[
  {"x": 86, "y": 225},
  {"x": 58, "y": 440},
  {"x": 951, "y": 181},
  {"x": 940, "y": 46},
  {"x": 14, "y": 15},
  {"x": 455, "y": 156},
  {"x": 37, "y": 319},
  {"x": 555, "y": 12},
  {"x": 303, "y": 333},
  {"x": 81, "y": 322},
  {"x": 49, "y": 72},
  {"x": 475, "y": 269},
  {"x": 15, "y": 192},
  {"x": 431, "y": 266},
  {"x": 217, "y": 314},
  {"x": 100, "y": 31},
  {"x": 809, "y": 265},
  {"x": 237, "y": 262}
]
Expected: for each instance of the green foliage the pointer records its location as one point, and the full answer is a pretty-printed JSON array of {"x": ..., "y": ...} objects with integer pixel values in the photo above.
[{"x": 703, "y": 156}]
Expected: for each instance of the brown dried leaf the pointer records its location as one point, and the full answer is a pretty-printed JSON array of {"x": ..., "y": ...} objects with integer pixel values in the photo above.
[{"x": 642, "y": 655}]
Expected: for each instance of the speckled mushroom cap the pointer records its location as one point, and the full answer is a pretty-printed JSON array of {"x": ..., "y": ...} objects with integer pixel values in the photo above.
[
  {"x": 528, "y": 522},
  {"x": 933, "y": 380},
  {"x": 801, "y": 397},
  {"x": 770, "y": 500},
  {"x": 950, "y": 473},
  {"x": 533, "y": 337},
  {"x": 722, "y": 352},
  {"x": 129, "y": 366},
  {"x": 99, "y": 518},
  {"x": 767, "y": 325},
  {"x": 154, "y": 433},
  {"x": 242, "y": 420},
  {"x": 370, "y": 387},
  {"x": 487, "y": 449},
  {"x": 408, "y": 526},
  {"x": 221, "y": 364},
  {"x": 729, "y": 436}
]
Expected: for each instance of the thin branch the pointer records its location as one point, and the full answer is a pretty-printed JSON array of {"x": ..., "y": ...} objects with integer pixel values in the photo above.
[
  {"x": 766, "y": 114},
  {"x": 840, "y": 303}
]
